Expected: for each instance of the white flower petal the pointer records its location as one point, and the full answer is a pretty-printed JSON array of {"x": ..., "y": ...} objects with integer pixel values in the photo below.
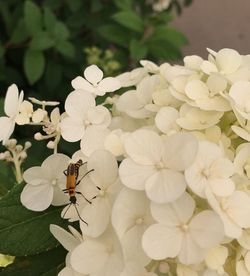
[
  {"x": 11, "y": 103},
  {"x": 78, "y": 103},
  {"x": 67, "y": 240},
  {"x": 133, "y": 175},
  {"x": 105, "y": 168},
  {"x": 180, "y": 151},
  {"x": 239, "y": 210},
  {"x": 175, "y": 213},
  {"x": 165, "y": 186},
  {"x": 108, "y": 85},
  {"x": 34, "y": 176},
  {"x": 190, "y": 252},
  {"x": 97, "y": 215},
  {"x": 37, "y": 198},
  {"x": 7, "y": 126},
  {"x": 72, "y": 129},
  {"x": 89, "y": 257},
  {"x": 79, "y": 83},
  {"x": 160, "y": 242},
  {"x": 228, "y": 60},
  {"x": 93, "y": 139},
  {"x": 93, "y": 74},
  {"x": 222, "y": 187},
  {"x": 202, "y": 232},
  {"x": 144, "y": 147}
]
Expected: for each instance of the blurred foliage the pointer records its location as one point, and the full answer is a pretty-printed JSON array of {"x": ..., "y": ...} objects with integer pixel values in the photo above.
[{"x": 45, "y": 44}]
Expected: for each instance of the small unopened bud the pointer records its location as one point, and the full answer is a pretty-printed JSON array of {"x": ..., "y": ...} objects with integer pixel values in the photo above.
[
  {"x": 11, "y": 143},
  {"x": 38, "y": 136},
  {"x": 164, "y": 267},
  {"x": 2, "y": 156},
  {"x": 51, "y": 145},
  {"x": 19, "y": 148},
  {"x": 23, "y": 155},
  {"x": 27, "y": 145}
]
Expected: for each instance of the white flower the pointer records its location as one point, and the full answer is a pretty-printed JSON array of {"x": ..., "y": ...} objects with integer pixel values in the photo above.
[
  {"x": 226, "y": 61},
  {"x": 69, "y": 241},
  {"x": 243, "y": 266},
  {"x": 82, "y": 112},
  {"x": 12, "y": 104},
  {"x": 130, "y": 218},
  {"x": 233, "y": 210},
  {"x": 133, "y": 77},
  {"x": 192, "y": 118},
  {"x": 216, "y": 258},
  {"x": 107, "y": 260},
  {"x": 210, "y": 170},
  {"x": 94, "y": 82},
  {"x": 165, "y": 120},
  {"x": 179, "y": 233},
  {"x": 25, "y": 113},
  {"x": 240, "y": 94},
  {"x": 193, "y": 62},
  {"x": 155, "y": 164},
  {"x": 45, "y": 184},
  {"x": 134, "y": 102},
  {"x": 105, "y": 178},
  {"x": 207, "y": 95},
  {"x": 134, "y": 269}
]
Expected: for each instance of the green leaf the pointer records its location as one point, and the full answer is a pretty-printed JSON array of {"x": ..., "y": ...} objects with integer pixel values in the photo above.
[
  {"x": 115, "y": 34},
  {"x": 53, "y": 74},
  {"x": 123, "y": 5},
  {"x": 163, "y": 50},
  {"x": 45, "y": 264},
  {"x": 137, "y": 50},
  {"x": 66, "y": 48},
  {"x": 74, "y": 5},
  {"x": 130, "y": 20},
  {"x": 32, "y": 17},
  {"x": 2, "y": 51},
  {"x": 61, "y": 31},
  {"x": 34, "y": 63},
  {"x": 7, "y": 178},
  {"x": 49, "y": 19},
  {"x": 42, "y": 41},
  {"x": 23, "y": 232},
  {"x": 20, "y": 33},
  {"x": 172, "y": 36}
]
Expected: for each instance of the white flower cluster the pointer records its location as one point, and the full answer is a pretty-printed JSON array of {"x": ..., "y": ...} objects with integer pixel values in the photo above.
[{"x": 169, "y": 169}]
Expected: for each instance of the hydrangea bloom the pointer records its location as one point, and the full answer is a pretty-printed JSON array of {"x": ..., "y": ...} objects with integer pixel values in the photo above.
[{"x": 166, "y": 168}]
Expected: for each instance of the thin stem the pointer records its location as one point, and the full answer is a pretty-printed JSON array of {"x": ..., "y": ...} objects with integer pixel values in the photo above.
[{"x": 18, "y": 171}]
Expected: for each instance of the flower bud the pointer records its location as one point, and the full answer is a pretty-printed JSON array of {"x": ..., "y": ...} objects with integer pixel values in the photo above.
[
  {"x": 38, "y": 136},
  {"x": 51, "y": 145}
]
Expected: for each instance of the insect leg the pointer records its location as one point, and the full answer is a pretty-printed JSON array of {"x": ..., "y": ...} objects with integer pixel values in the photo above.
[
  {"x": 79, "y": 193},
  {"x": 66, "y": 210},
  {"x": 78, "y": 182}
]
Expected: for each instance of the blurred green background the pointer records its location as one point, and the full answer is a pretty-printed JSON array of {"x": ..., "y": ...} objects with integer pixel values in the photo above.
[{"x": 45, "y": 44}]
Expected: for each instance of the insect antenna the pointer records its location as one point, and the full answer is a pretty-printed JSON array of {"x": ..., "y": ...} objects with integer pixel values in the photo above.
[
  {"x": 79, "y": 215},
  {"x": 78, "y": 182}
]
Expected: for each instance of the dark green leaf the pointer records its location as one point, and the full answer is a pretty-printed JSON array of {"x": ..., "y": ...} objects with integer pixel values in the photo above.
[
  {"x": 74, "y": 5},
  {"x": 115, "y": 34},
  {"x": 2, "y": 50},
  {"x": 34, "y": 63},
  {"x": 23, "y": 232},
  {"x": 137, "y": 50},
  {"x": 123, "y": 5},
  {"x": 172, "y": 36},
  {"x": 163, "y": 50},
  {"x": 53, "y": 74},
  {"x": 7, "y": 178},
  {"x": 49, "y": 18},
  {"x": 42, "y": 41},
  {"x": 32, "y": 17},
  {"x": 48, "y": 263},
  {"x": 20, "y": 33},
  {"x": 130, "y": 20},
  {"x": 66, "y": 48},
  {"x": 61, "y": 31}
]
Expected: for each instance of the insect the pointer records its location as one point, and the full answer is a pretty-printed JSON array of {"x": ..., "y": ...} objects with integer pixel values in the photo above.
[{"x": 72, "y": 173}]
